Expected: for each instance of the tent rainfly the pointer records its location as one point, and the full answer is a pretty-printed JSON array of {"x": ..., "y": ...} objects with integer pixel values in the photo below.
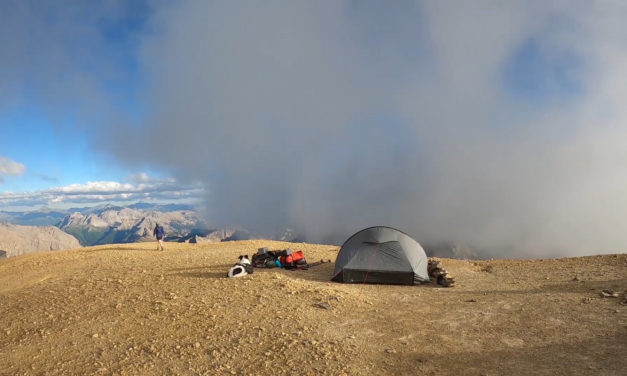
[{"x": 381, "y": 255}]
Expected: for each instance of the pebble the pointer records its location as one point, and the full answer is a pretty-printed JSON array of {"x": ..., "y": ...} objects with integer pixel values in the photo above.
[
  {"x": 609, "y": 294},
  {"x": 324, "y": 305},
  {"x": 95, "y": 335}
]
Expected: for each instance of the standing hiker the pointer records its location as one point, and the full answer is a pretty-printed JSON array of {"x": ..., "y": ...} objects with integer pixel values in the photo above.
[{"x": 159, "y": 233}]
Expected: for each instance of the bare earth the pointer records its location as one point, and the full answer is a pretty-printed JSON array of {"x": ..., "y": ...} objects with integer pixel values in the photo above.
[{"x": 130, "y": 310}]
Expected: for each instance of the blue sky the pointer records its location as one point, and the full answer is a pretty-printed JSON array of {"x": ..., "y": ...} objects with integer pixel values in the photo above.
[
  {"x": 474, "y": 122},
  {"x": 46, "y": 136}
]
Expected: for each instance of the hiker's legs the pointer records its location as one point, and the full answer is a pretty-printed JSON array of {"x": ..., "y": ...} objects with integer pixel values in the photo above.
[{"x": 161, "y": 245}]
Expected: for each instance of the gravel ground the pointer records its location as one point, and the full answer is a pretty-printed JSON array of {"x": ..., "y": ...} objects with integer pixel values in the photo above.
[{"x": 131, "y": 310}]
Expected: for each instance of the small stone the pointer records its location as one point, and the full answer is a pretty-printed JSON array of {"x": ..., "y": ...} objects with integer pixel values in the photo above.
[
  {"x": 95, "y": 335},
  {"x": 197, "y": 344},
  {"x": 324, "y": 305},
  {"x": 390, "y": 351},
  {"x": 609, "y": 294}
]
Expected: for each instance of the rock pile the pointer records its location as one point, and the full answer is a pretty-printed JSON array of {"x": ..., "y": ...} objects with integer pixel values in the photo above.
[{"x": 438, "y": 274}]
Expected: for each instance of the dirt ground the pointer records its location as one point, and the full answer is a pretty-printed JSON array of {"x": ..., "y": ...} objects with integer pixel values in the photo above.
[{"x": 131, "y": 310}]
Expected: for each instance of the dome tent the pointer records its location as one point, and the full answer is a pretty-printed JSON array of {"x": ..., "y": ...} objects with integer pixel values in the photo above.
[{"x": 381, "y": 255}]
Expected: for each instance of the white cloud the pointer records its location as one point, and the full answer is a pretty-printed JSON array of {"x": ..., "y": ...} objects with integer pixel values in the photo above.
[
  {"x": 96, "y": 186},
  {"x": 9, "y": 167},
  {"x": 104, "y": 191}
]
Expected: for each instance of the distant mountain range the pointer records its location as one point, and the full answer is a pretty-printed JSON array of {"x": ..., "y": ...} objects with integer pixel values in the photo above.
[
  {"x": 52, "y": 217},
  {"x": 108, "y": 224},
  {"x": 126, "y": 225}
]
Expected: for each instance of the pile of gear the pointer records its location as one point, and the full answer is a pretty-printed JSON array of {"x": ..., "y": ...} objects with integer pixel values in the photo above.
[
  {"x": 438, "y": 274},
  {"x": 285, "y": 258},
  {"x": 265, "y": 258}
]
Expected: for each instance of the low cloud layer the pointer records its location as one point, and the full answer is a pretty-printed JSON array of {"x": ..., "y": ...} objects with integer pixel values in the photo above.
[
  {"x": 500, "y": 126},
  {"x": 92, "y": 193}
]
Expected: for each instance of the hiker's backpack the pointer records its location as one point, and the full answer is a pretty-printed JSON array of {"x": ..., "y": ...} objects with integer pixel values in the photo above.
[
  {"x": 264, "y": 258},
  {"x": 159, "y": 232},
  {"x": 291, "y": 260}
]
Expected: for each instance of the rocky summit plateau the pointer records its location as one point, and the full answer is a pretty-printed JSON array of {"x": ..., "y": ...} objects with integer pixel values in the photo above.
[{"x": 128, "y": 309}]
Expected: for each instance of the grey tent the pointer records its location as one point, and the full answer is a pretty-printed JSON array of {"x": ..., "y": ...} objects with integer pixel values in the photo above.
[{"x": 381, "y": 255}]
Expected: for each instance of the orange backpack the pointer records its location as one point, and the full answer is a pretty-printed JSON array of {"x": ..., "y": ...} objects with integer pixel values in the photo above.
[{"x": 292, "y": 259}]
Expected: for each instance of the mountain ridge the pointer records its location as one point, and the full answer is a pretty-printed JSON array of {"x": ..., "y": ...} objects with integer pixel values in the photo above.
[{"x": 18, "y": 240}]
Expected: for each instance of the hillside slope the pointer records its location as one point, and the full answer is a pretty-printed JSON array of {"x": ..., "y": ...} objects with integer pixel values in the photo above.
[
  {"x": 19, "y": 240},
  {"x": 130, "y": 310}
]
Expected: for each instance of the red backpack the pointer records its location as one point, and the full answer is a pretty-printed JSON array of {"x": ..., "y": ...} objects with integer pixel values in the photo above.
[{"x": 291, "y": 260}]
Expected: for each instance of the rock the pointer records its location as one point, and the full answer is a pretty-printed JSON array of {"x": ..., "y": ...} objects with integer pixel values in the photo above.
[
  {"x": 324, "y": 305},
  {"x": 609, "y": 293},
  {"x": 438, "y": 274}
]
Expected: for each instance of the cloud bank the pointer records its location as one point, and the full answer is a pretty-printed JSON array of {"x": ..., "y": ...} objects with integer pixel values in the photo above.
[
  {"x": 501, "y": 126},
  {"x": 92, "y": 193}
]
